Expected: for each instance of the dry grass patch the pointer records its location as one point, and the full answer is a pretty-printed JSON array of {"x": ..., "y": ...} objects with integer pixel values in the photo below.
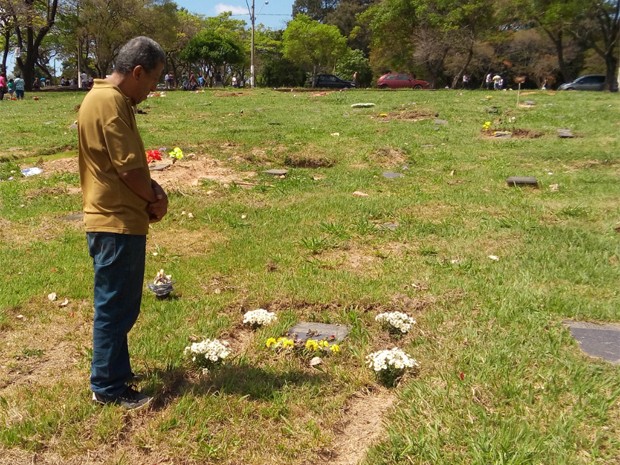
[
  {"x": 388, "y": 157},
  {"x": 46, "y": 229},
  {"x": 405, "y": 115},
  {"x": 191, "y": 172},
  {"x": 308, "y": 160},
  {"x": 183, "y": 242},
  {"x": 46, "y": 340},
  {"x": 361, "y": 426}
]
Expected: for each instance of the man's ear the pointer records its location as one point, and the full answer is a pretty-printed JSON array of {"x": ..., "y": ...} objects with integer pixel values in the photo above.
[{"x": 137, "y": 72}]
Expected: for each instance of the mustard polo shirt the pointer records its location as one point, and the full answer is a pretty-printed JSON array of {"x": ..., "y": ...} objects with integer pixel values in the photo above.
[{"x": 109, "y": 143}]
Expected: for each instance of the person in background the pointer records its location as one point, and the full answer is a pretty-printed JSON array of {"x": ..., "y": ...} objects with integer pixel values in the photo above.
[
  {"x": 488, "y": 81},
  {"x": 11, "y": 87},
  {"x": 119, "y": 201},
  {"x": 3, "y": 85},
  {"x": 465, "y": 81},
  {"x": 20, "y": 86}
]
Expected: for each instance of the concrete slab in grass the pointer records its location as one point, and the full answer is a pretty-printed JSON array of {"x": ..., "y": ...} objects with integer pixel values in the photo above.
[
  {"x": 602, "y": 341},
  {"x": 318, "y": 331}
]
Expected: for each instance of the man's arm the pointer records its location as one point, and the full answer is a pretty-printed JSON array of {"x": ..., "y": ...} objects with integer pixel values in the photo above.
[{"x": 148, "y": 190}]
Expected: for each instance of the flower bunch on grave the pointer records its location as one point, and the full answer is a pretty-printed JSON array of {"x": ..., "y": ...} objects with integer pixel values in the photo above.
[
  {"x": 207, "y": 354},
  {"x": 260, "y": 317},
  {"x": 153, "y": 155},
  {"x": 313, "y": 346},
  {"x": 176, "y": 154},
  {"x": 281, "y": 343},
  {"x": 390, "y": 365},
  {"x": 395, "y": 322},
  {"x": 486, "y": 127},
  {"x": 162, "y": 284}
]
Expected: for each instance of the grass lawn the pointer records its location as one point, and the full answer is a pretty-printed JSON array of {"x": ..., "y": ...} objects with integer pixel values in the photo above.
[{"x": 402, "y": 206}]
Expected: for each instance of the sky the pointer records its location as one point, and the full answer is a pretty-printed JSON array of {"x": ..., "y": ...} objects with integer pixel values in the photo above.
[{"x": 274, "y": 14}]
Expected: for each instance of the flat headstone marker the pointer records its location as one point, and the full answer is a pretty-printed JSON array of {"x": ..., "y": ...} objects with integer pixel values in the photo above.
[
  {"x": 392, "y": 175},
  {"x": 318, "y": 331},
  {"x": 362, "y": 105},
  {"x": 159, "y": 166},
  {"x": 565, "y": 134},
  {"x": 388, "y": 226},
  {"x": 74, "y": 216},
  {"x": 276, "y": 172},
  {"x": 516, "y": 181},
  {"x": 503, "y": 134},
  {"x": 602, "y": 341}
]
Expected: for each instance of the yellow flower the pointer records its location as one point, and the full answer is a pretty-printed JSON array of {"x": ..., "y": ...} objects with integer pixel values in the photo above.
[
  {"x": 271, "y": 341},
  {"x": 311, "y": 344},
  {"x": 335, "y": 348},
  {"x": 287, "y": 343}
]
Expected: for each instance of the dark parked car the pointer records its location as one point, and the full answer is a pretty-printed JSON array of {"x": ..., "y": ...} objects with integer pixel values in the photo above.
[
  {"x": 400, "y": 81},
  {"x": 329, "y": 81},
  {"x": 587, "y": 82}
]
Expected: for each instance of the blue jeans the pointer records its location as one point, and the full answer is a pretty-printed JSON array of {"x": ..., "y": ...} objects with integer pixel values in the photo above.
[{"x": 118, "y": 260}]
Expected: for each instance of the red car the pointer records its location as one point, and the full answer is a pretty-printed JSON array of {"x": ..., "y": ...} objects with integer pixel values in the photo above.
[{"x": 401, "y": 80}]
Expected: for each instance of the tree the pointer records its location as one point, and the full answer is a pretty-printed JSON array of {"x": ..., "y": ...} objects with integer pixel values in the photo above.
[
  {"x": 345, "y": 17},
  {"x": 33, "y": 20},
  {"x": 558, "y": 20},
  {"x": 392, "y": 24},
  {"x": 354, "y": 61},
  {"x": 314, "y": 9},
  {"x": 213, "y": 50},
  {"x": 606, "y": 15},
  {"x": 311, "y": 45}
]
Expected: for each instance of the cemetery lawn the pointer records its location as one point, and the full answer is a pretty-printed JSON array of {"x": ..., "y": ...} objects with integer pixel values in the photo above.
[{"x": 402, "y": 206}]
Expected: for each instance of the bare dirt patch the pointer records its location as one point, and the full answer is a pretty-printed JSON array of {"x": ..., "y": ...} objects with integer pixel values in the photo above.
[
  {"x": 388, "y": 156},
  {"x": 406, "y": 115},
  {"x": 35, "y": 351},
  {"x": 192, "y": 172},
  {"x": 189, "y": 172},
  {"x": 516, "y": 133},
  {"x": 360, "y": 428},
  {"x": 178, "y": 241}
]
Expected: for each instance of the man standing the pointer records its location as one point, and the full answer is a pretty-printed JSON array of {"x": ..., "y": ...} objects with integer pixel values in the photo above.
[
  {"x": 120, "y": 200},
  {"x": 20, "y": 86}
]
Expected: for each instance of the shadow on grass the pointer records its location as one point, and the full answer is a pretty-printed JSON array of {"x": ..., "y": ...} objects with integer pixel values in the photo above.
[{"x": 243, "y": 380}]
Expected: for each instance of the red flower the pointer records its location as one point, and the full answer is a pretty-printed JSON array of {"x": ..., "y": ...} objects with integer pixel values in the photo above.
[{"x": 153, "y": 155}]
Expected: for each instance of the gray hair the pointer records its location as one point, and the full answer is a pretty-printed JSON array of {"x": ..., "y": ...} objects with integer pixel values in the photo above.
[{"x": 139, "y": 51}]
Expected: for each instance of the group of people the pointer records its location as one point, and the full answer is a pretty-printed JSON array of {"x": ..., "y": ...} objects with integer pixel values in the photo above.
[
  {"x": 15, "y": 88},
  {"x": 193, "y": 82},
  {"x": 494, "y": 81}
]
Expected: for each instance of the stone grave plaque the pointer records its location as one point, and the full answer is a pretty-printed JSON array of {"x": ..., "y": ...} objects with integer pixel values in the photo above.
[
  {"x": 159, "y": 166},
  {"x": 318, "y": 331},
  {"x": 276, "y": 172},
  {"x": 79, "y": 216},
  {"x": 515, "y": 181},
  {"x": 392, "y": 175},
  {"x": 602, "y": 341},
  {"x": 565, "y": 134}
]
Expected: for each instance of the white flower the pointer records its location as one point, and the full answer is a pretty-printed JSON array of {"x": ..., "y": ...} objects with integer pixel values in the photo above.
[
  {"x": 390, "y": 359},
  {"x": 397, "y": 320},
  {"x": 162, "y": 278},
  {"x": 259, "y": 317},
  {"x": 207, "y": 353}
]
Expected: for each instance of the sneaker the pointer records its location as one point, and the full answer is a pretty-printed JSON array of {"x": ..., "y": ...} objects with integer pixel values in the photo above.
[{"x": 129, "y": 399}]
